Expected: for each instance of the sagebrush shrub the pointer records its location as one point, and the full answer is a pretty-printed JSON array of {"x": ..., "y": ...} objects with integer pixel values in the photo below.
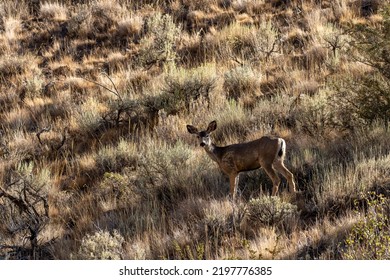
[
  {"x": 316, "y": 116},
  {"x": 369, "y": 238},
  {"x": 184, "y": 86},
  {"x": 367, "y": 95},
  {"x": 159, "y": 44},
  {"x": 102, "y": 245},
  {"x": 159, "y": 167},
  {"x": 270, "y": 210},
  {"x": 266, "y": 40}
]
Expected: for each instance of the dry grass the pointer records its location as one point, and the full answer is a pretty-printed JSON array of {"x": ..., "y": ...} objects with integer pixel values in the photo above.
[
  {"x": 94, "y": 99},
  {"x": 53, "y": 11}
]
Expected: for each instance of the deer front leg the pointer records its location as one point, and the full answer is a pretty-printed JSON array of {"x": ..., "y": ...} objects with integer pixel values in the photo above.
[{"x": 233, "y": 179}]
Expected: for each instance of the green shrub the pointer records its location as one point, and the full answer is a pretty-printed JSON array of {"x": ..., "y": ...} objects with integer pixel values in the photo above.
[
  {"x": 366, "y": 99},
  {"x": 159, "y": 44},
  {"x": 183, "y": 86},
  {"x": 316, "y": 115},
  {"x": 367, "y": 96},
  {"x": 189, "y": 252},
  {"x": 266, "y": 40},
  {"x": 159, "y": 169},
  {"x": 369, "y": 238},
  {"x": 117, "y": 187}
]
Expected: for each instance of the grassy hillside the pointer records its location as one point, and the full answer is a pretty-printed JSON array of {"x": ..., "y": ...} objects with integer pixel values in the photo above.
[{"x": 96, "y": 161}]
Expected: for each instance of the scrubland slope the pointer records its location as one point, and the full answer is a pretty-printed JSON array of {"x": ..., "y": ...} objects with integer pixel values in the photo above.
[{"x": 95, "y": 159}]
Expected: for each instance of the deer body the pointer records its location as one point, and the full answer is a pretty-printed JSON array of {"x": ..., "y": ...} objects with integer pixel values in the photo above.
[
  {"x": 244, "y": 156},
  {"x": 267, "y": 152}
]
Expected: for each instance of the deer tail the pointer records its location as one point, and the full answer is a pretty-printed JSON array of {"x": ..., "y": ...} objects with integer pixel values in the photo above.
[{"x": 282, "y": 149}]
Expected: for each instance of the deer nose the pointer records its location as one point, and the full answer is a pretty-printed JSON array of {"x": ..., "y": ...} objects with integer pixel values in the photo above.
[{"x": 202, "y": 144}]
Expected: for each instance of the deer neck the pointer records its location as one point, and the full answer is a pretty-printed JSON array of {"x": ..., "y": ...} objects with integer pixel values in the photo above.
[{"x": 214, "y": 152}]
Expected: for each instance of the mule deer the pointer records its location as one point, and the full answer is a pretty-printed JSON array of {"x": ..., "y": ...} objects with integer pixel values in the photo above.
[{"x": 267, "y": 152}]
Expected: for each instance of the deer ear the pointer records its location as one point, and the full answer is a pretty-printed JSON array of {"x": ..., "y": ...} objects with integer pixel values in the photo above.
[
  {"x": 192, "y": 129},
  {"x": 212, "y": 126}
]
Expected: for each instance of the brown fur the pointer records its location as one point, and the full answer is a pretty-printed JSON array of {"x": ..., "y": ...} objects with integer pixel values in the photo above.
[{"x": 267, "y": 152}]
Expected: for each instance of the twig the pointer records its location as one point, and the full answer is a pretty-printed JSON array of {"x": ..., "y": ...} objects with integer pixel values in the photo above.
[
  {"x": 115, "y": 91},
  {"x": 45, "y": 129}
]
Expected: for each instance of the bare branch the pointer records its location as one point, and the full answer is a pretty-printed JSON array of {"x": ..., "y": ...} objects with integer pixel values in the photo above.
[
  {"x": 115, "y": 91},
  {"x": 38, "y": 198},
  {"x": 20, "y": 203},
  {"x": 45, "y": 129},
  {"x": 113, "y": 84}
]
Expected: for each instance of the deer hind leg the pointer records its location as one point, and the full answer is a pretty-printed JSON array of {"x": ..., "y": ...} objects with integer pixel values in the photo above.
[
  {"x": 279, "y": 166},
  {"x": 233, "y": 179},
  {"x": 274, "y": 178}
]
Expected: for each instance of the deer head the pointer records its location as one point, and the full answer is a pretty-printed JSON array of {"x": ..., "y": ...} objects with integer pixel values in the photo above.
[{"x": 203, "y": 136}]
